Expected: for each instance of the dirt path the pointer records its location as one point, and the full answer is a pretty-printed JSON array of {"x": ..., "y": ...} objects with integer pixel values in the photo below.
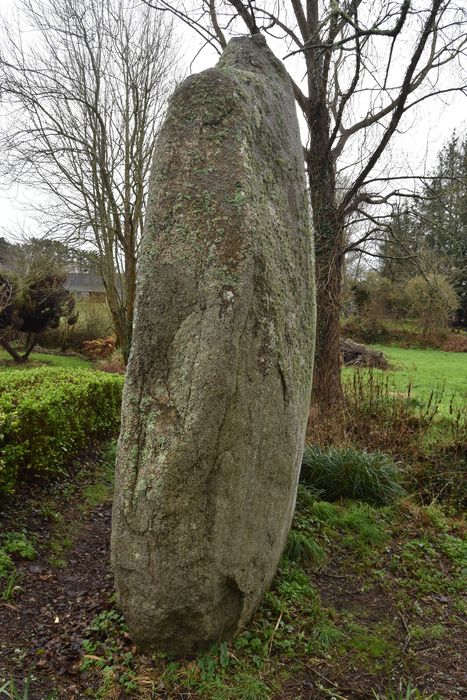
[
  {"x": 62, "y": 589},
  {"x": 41, "y": 631}
]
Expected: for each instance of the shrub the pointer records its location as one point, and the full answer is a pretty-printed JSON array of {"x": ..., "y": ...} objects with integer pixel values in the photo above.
[
  {"x": 113, "y": 364},
  {"x": 99, "y": 348},
  {"x": 94, "y": 321},
  {"x": 377, "y": 297},
  {"x": 455, "y": 343},
  {"x": 365, "y": 330},
  {"x": 350, "y": 473},
  {"x": 432, "y": 300},
  {"x": 48, "y": 415},
  {"x": 33, "y": 302}
]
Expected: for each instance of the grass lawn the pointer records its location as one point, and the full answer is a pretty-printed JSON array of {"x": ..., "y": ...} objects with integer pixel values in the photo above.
[
  {"x": 427, "y": 370},
  {"x": 38, "y": 358}
]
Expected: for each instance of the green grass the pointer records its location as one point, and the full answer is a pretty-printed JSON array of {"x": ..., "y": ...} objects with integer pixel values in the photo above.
[
  {"x": 426, "y": 370},
  {"x": 377, "y": 561},
  {"x": 360, "y": 593},
  {"x": 38, "y": 358}
]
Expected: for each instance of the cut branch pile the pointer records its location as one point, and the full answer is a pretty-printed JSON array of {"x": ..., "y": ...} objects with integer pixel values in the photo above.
[{"x": 357, "y": 355}]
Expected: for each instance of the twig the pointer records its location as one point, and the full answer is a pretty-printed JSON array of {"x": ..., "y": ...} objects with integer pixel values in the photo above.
[
  {"x": 334, "y": 685},
  {"x": 274, "y": 632}
]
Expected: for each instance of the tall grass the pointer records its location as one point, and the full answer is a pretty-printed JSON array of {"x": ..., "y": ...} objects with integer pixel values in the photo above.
[
  {"x": 371, "y": 477},
  {"x": 386, "y": 417},
  {"x": 432, "y": 444},
  {"x": 423, "y": 370}
]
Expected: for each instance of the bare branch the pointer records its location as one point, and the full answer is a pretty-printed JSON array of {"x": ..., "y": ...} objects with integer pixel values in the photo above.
[
  {"x": 405, "y": 90},
  {"x": 86, "y": 101}
]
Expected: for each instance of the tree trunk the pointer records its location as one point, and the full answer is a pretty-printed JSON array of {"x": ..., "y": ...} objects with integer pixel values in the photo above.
[
  {"x": 10, "y": 350},
  {"x": 327, "y": 386},
  {"x": 15, "y": 355},
  {"x": 121, "y": 327},
  {"x": 116, "y": 305},
  {"x": 329, "y": 243},
  {"x": 32, "y": 341}
]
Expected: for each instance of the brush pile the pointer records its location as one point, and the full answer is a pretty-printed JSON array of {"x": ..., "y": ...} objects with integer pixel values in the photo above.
[{"x": 357, "y": 355}]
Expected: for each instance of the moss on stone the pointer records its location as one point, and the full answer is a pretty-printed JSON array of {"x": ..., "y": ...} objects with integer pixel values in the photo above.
[{"x": 218, "y": 385}]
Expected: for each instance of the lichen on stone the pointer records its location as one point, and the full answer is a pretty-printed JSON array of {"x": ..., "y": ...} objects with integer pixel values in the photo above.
[{"x": 217, "y": 389}]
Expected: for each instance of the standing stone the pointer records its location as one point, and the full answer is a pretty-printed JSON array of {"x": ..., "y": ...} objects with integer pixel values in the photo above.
[{"x": 218, "y": 384}]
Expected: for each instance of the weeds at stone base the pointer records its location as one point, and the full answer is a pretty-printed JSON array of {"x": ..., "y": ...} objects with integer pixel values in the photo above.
[
  {"x": 404, "y": 562},
  {"x": 409, "y": 554}
]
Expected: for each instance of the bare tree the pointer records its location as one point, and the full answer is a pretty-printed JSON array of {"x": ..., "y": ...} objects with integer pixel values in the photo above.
[
  {"x": 365, "y": 65},
  {"x": 85, "y": 92}
]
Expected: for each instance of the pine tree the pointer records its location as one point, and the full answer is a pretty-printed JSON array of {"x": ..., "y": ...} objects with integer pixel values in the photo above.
[{"x": 429, "y": 236}]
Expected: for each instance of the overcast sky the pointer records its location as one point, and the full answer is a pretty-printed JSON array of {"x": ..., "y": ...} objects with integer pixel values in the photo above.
[{"x": 414, "y": 150}]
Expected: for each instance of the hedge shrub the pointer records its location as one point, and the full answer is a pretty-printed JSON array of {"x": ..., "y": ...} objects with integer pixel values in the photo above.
[{"x": 48, "y": 415}]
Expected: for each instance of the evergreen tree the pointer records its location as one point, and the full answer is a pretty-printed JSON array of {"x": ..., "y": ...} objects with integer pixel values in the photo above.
[
  {"x": 401, "y": 248},
  {"x": 31, "y": 303},
  {"x": 442, "y": 217},
  {"x": 430, "y": 235}
]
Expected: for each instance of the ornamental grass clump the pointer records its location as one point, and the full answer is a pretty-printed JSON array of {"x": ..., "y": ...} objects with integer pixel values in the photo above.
[
  {"x": 371, "y": 477},
  {"x": 301, "y": 547}
]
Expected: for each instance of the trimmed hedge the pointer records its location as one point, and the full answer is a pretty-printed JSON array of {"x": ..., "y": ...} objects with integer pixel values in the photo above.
[{"x": 48, "y": 415}]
